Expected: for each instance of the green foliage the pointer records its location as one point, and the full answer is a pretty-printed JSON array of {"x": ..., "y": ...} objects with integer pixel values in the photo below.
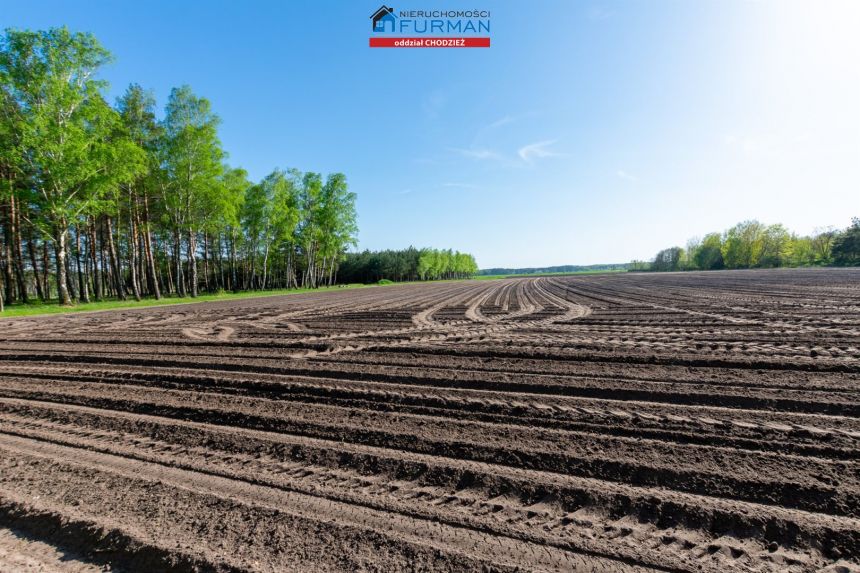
[
  {"x": 846, "y": 246},
  {"x": 191, "y": 157},
  {"x": 406, "y": 265},
  {"x": 285, "y": 209},
  {"x": 234, "y": 185},
  {"x": 62, "y": 126},
  {"x": 751, "y": 244},
  {"x": 668, "y": 259},
  {"x": 445, "y": 264},
  {"x": 709, "y": 253}
]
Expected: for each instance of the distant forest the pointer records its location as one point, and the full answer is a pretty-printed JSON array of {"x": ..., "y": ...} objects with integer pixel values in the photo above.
[
  {"x": 405, "y": 265},
  {"x": 752, "y": 244},
  {"x": 559, "y": 269}
]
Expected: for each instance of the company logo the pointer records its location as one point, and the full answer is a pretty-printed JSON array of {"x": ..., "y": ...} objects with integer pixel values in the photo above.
[
  {"x": 382, "y": 18},
  {"x": 429, "y": 28}
]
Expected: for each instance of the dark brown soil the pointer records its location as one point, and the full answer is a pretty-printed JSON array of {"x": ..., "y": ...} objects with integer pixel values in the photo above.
[{"x": 671, "y": 422}]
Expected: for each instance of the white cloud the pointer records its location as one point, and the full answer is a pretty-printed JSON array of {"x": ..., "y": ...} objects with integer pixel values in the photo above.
[
  {"x": 537, "y": 150},
  {"x": 626, "y": 176}
]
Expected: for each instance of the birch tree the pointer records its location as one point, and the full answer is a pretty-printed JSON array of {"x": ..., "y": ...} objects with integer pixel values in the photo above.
[
  {"x": 192, "y": 157},
  {"x": 67, "y": 129}
]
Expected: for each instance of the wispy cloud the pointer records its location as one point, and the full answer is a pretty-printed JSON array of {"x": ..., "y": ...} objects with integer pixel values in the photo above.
[
  {"x": 761, "y": 144},
  {"x": 771, "y": 145},
  {"x": 626, "y": 176},
  {"x": 747, "y": 145},
  {"x": 501, "y": 121},
  {"x": 525, "y": 155},
  {"x": 537, "y": 150},
  {"x": 508, "y": 119},
  {"x": 600, "y": 13},
  {"x": 477, "y": 153},
  {"x": 461, "y": 185},
  {"x": 405, "y": 192},
  {"x": 433, "y": 103}
]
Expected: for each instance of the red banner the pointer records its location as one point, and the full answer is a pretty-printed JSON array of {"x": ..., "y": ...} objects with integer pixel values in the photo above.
[{"x": 429, "y": 42}]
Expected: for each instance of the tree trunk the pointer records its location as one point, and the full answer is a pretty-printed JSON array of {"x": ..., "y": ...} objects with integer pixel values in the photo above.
[
  {"x": 141, "y": 261},
  {"x": 8, "y": 279},
  {"x": 60, "y": 256},
  {"x": 104, "y": 267},
  {"x": 234, "y": 280},
  {"x": 17, "y": 252},
  {"x": 150, "y": 263},
  {"x": 132, "y": 252},
  {"x": 82, "y": 283},
  {"x": 70, "y": 279},
  {"x": 37, "y": 280},
  {"x": 220, "y": 252},
  {"x": 192, "y": 262},
  {"x": 2, "y": 293},
  {"x": 150, "y": 258},
  {"x": 265, "y": 265},
  {"x": 92, "y": 251},
  {"x": 88, "y": 265},
  {"x": 206, "y": 262},
  {"x": 177, "y": 260},
  {"x": 178, "y": 282},
  {"x": 290, "y": 274},
  {"x": 114, "y": 261},
  {"x": 46, "y": 285},
  {"x": 170, "y": 283}
]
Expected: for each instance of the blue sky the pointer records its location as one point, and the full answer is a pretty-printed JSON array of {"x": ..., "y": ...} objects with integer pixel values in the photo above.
[{"x": 589, "y": 132}]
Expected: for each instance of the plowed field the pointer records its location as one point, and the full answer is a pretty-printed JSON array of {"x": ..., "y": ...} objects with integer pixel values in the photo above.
[{"x": 629, "y": 422}]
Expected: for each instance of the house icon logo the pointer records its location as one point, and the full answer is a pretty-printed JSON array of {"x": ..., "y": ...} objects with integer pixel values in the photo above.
[{"x": 382, "y": 17}]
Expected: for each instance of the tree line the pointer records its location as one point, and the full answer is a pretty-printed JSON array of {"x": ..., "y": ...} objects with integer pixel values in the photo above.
[
  {"x": 406, "y": 265},
  {"x": 554, "y": 270},
  {"x": 752, "y": 244},
  {"x": 101, "y": 201}
]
